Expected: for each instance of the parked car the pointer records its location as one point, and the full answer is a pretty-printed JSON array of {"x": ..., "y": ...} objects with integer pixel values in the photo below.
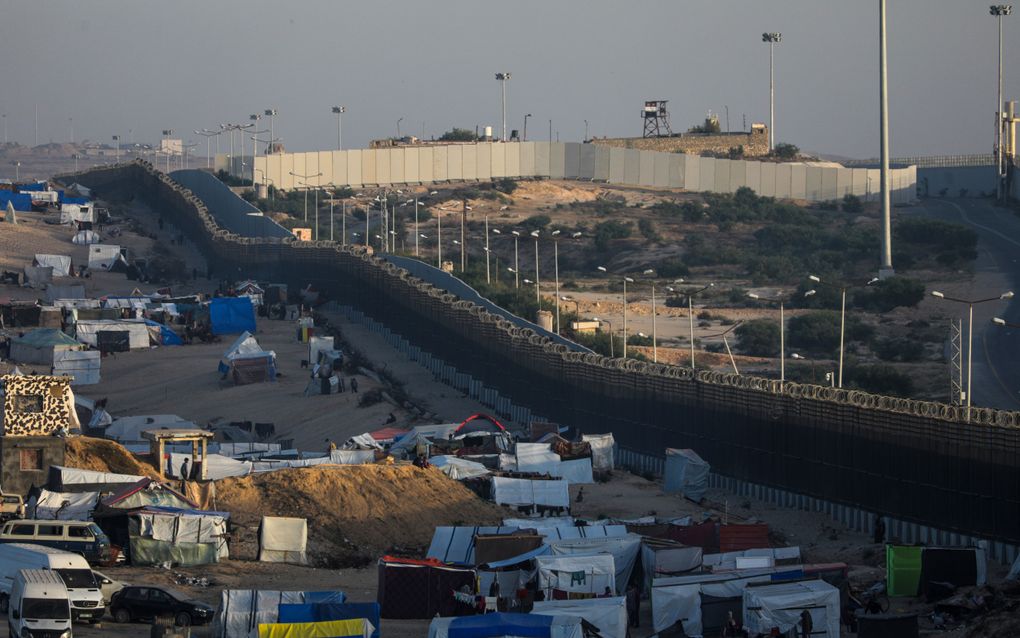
[
  {"x": 39, "y": 604},
  {"x": 87, "y": 602},
  {"x": 11, "y": 506},
  {"x": 141, "y": 603},
  {"x": 108, "y": 586},
  {"x": 80, "y": 537}
]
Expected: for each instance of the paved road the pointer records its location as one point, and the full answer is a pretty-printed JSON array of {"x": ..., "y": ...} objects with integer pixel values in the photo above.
[{"x": 996, "y": 376}]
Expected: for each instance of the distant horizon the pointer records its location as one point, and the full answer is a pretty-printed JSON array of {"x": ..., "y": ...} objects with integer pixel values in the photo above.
[{"x": 192, "y": 65}]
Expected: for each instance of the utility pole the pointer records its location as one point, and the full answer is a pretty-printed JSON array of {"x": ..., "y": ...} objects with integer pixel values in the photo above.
[
  {"x": 339, "y": 110},
  {"x": 463, "y": 239},
  {"x": 503, "y": 79},
  {"x": 999, "y": 10},
  {"x": 771, "y": 39},
  {"x": 887, "y": 266}
]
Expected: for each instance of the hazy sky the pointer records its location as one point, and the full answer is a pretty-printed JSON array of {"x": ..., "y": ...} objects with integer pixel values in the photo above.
[{"x": 115, "y": 65}]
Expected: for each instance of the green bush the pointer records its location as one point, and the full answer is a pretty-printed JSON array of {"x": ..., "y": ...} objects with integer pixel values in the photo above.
[
  {"x": 638, "y": 340},
  {"x": 458, "y": 135},
  {"x": 758, "y": 337},
  {"x": 506, "y": 185},
  {"x": 881, "y": 379},
  {"x": 899, "y": 349},
  {"x": 647, "y": 228},
  {"x": 535, "y": 222},
  {"x": 672, "y": 268},
  {"x": 883, "y": 296},
  {"x": 852, "y": 203},
  {"x": 818, "y": 331},
  {"x": 785, "y": 151},
  {"x": 609, "y": 230}
]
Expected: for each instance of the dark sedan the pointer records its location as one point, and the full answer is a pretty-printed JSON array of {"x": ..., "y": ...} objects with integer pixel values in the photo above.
[{"x": 139, "y": 603}]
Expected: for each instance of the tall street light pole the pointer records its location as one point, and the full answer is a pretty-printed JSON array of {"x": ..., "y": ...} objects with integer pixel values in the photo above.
[
  {"x": 488, "y": 278},
  {"x": 339, "y": 110},
  {"x": 655, "y": 349},
  {"x": 782, "y": 336},
  {"x": 970, "y": 331},
  {"x": 271, "y": 114},
  {"x": 887, "y": 266},
  {"x": 517, "y": 263},
  {"x": 538, "y": 298},
  {"x": 526, "y": 127},
  {"x": 612, "y": 338},
  {"x": 166, "y": 135},
  {"x": 503, "y": 79},
  {"x": 999, "y": 10},
  {"x": 116, "y": 138},
  {"x": 772, "y": 39},
  {"x": 842, "y": 316},
  {"x": 556, "y": 274},
  {"x": 416, "y": 233}
]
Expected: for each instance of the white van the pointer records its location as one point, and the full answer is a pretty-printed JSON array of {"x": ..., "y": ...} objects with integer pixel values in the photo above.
[
  {"x": 86, "y": 597},
  {"x": 39, "y": 605}
]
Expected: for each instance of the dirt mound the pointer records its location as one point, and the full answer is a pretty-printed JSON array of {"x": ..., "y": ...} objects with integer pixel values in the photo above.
[
  {"x": 354, "y": 512},
  {"x": 101, "y": 455}
]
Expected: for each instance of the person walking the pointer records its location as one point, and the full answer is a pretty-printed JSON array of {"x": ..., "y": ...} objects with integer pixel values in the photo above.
[
  {"x": 634, "y": 605},
  {"x": 807, "y": 625},
  {"x": 354, "y": 385}
]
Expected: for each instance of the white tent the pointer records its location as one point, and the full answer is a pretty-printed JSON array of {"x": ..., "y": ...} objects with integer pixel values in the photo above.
[
  {"x": 608, "y": 614},
  {"x": 103, "y": 256},
  {"x": 506, "y": 625},
  {"x": 85, "y": 237},
  {"x": 601, "y": 450},
  {"x": 88, "y": 331},
  {"x": 69, "y": 291},
  {"x": 457, "y": 468},
  {"x": 582, "y": 574},
  {"x": 539, "y": 458},
  {"x": 623, "y": 549},
  {"x": 283, "y": 540},
  {"x": 457, "y": 544},
  {"x": 63, "y": 506},
  {"x": 731, "y": 560},
  {"x": 82, "y": 366},
  {"x": 678, "y": 599},
  {"x": 241, "y": 611},
  {"x": 781, "y": 605},
  {"x": 523, "y": 492},
  {"x": 68, "y": 476},
  {"x": 72, "y": 213},
  {"x": 661, "y": 559},
  {"x": 61, "y": 264},
  {"x": 130, "y": 428}
]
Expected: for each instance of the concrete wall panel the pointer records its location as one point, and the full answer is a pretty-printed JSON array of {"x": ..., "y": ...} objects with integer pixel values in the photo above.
[
  {"x": 601, "y": 163},
  {"x": 692, "y": 172},
  {"x": 513, "y": 161},
  {"x": 527, "y": 159},
  {"x": 738, "y": 175},
  {"x": 675, "y": 166},
  {"x": 830, "y": 178},
  {"x": 707, "y": 168},
  {"x": 492, "y": 161},
  {"x": 844, "y": 182},
  {"x": 541, "y": 159},
  {"x": 440, "y": 163},
  {"x": 813, "y": 183},
  {"x": 469, "y": 162},
  {"x": 425, "y": 164},
  {"x": 784, "y": 180},
  {"x": 631, "y": 166},
  {"x": 396, "y": 157},
  {"x": 859, "y": 182},
  {"x": 768, "y": 179},
  {"x": 617, "y": 165},
  {"x": 572, "y": 160},
  {"x": 874, "y": 185},
  {"x": 299, "y": 168},
  {"x": 557, "y": 160},
  {"x": 646, "y": 168},
  {"x": 325, "y": 166},
  {"x": 354, "y": 165},
  {"x": 368, "y": 164},
  {"x": 586, "y": 162},
  {"x": 382, "y": 166},
  {"x": 660, "y": 176},
  {"x": 412, "y": 175},
  {"x": 722, "y": 176},
  {"x": 753, "y": 176},
  {"x": 798, "y": 181}
]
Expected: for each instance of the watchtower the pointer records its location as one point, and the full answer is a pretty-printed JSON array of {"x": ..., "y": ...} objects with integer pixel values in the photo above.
[{"x": 656, "y": 119}]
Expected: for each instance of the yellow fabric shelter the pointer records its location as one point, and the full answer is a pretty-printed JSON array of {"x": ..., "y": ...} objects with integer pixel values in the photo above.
[{"x": 356, "y": 628}]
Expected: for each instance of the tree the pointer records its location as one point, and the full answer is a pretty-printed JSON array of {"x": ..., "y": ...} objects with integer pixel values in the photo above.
[
  {"x": 759, "y": 337},
  {"x": 609, "y": 230},
  {"x": 506, "y": 185},
  {"x": 890, "y": 293},
  {"x": 711, "y": 125},
  {"x": 852, "y": 203},
  {"x": 784, "y": 150},
  {"x": 458, "y": 135}
]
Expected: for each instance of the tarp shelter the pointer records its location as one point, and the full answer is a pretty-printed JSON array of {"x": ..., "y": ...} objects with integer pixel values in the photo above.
[
  {"x": 526, "y": 492},
  {"x": 82, "y": 366},
  {"x": 283, "y": 540},
  {"x": 61, "y": 264},
  {"x": 322, "y": 611},
  {"x": 85, "y": 238},
  {"x": 38, "y": 276},
  {"x": 561, "y": 575},
  {"x": 623, "y": 549},
  {"x": 63, "y": 506},
  {"x": 421, "y": 588},
  {"x": 40, "y": 346},
  {"x": 90, "y": 332},
  {"x": 601, "y": 451},
  {"x": 144, "y": 493},
  {"x": 17, "y": 201},
  {"x": 781, "y": 604},
  {"x": 457, "y": 468},
  {"x": 64, "y": 292},
  {"x": 128, "y": 429},
  {"x": 74, "y": 212},
  {"x": 104, "y": 256},
  {"x": 246, "y": 362},
  {"x": 664, "y": 559},
  {"x": 457, "y": 544},
  {"x": 241, "y": 611},
  {"x": 502, "y": 625},
  {"x": 72, "y": 479},
  {"x": 733, "y": 560},
  {"x": 701, "y": 602},
  {"x": 609, "y": 615},
  {"x": 911, "y": 571},
  {"x": 231, "y": 315},
  {"x": 686, "y": 473},
  {"x": 498, "y": 548},
  {"x": 181, "y": 537},
  {"x": 353, "y": 628},
  {"x": 541, "y": 459}
]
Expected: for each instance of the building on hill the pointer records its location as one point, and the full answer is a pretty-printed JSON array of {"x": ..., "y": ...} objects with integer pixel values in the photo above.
[
  {"x": 755, "y": 143},
  {"x": 36, "y": 408}
]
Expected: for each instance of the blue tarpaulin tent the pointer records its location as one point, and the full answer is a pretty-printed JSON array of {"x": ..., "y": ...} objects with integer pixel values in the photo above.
[
  {"x": 321, "y": 612},
  {"x": 686, "y": 472},
  {"x": 231, "y": 315},
  {"x": 37, "y": 187},
  {"x": 81, "y": 201},
  {"x": 167, "y": 337},
  {"x": 21, "y": 201},
  {"x": 502, "y": 624}
]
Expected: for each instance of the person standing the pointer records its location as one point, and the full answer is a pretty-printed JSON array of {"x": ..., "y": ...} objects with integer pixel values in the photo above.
[
  {"x": 184, "y": 469},
  {"x": 634, "y": 605},
  {"x": 354, "y": 385},
  {"x": 807, "y": 624}
]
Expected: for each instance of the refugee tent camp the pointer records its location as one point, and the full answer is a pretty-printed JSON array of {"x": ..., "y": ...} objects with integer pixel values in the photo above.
[
  {"x": 241, "y": 611},
  {"x": 664, "y": 558},
  {"x": 501, "y": 625},
  {"x": 687, "y": 473},
  {"x": 576, "y": 574},
  {"x": 120, "y": 334},
  {"x": 63, "y": 506},
  {"x": 609, "y": 615},
  {"x": 61, "y": 264},
  {"x": 421, "y": 588},
  {"x": 40, "y": 346},
  {"x": 623, "y": 549},
  {"x": 601, "y": 450},
  {"x": 283, "y": 540},
  {"x": 781, "y": 605},
  {"x": 231, "y": 315},
  {"x": 528, "y": 492},
  {"x": 457, "y": 468},
  {"x": 85, "y": 238},
  {"x": 183, "y": 537},
  {"x": 457, "y": 544}
]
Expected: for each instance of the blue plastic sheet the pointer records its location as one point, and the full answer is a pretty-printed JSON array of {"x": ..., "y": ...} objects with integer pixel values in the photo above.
[
  {"x": 21, "y": 201},
  {"x": 500, "y": 624},
  {"x": 231, "y": 315},
  {"x": 37, "y": 187},
  {"x": 322, "y": 612},
  {"x": 81, "y": 201}
]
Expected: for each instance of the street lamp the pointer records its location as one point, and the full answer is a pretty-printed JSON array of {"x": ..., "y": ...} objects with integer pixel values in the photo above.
[
  {"x": 517, "y": 263},
  {"x": 503, "y": 79},
  {"x": 1005, "y": 324},
  {"x": 612, "y": 350},
  {"x": 526, "y": 127},
  {"x": 116, "y": 138},
  {"x": 399, "y": 120},
  {"x": 782, "y": 335},
  {"x": 17, "y": 171},
  {"x": 339, "y": 110},
  {"x": 970, "y": 331},
  {"x": 534, "y": 234},
  {"x": 726, "y": 343},
  {"x": 842, "y": 315},
  {"x": 306, "y": 185},
  {"x": 577, "y": 306},
  {"x": 208, "y": 135},
  {"x": 999, "y": 10},
  {"x": 772, "y": 39},
  {"x": 271, "y": 114},
  {"x": 167, "y": 132},
  {"x": 586, "y": 130}
]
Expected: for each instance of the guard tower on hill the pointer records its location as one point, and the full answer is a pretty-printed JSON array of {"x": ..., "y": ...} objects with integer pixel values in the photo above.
[{"x": 656, "y": 119}]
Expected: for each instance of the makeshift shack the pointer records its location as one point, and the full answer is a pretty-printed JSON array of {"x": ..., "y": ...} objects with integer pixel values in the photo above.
[
  {"x": 72, "y": 479},
  {"x": 623, "y": 549},
  {"x": 686, "y": 473},
  {"x": 781, "y": 605},
  {"x": 106, "y": 257},
  {"x": 601, "y": 451},
  {"x": 246, "y": 362},
  {"x": 241, "y": 611},
  {"x": 62, "y": 506},
  {"x": 457, "y": 544},
  {"x": 324, "y": 611},
  {"x": 177, "y": 536},
  {"x": 561, "y": 576},
  {"x": 85, "y": 238},
  {"x": 422, "y": 588},
  {"x": 40, "y": 345},
  {"x": 609, "y": 615},
  {"x": 113, "y": 335},
  {"x": 530, "y": 493},
  {"x": 61, "y": 264},
  {"x": 933, "y": 571},
  {"x": 231, "y": 315},
  {"x": 283, "y": 540},
  {"x": 82, "y": 366},
  {"x": 352, "y": 628},
  {"x": 663, "y": 559}
]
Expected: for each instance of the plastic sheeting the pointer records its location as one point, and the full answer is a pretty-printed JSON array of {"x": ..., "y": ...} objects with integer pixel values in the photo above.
[
  {"x": 582, "y": 574},
  {"x": 73, "y": 476},
  {"x": 318, "y": 612},
  {"x": 666, "y": 560},
  {"x": 728, "y": 560},
  {"x": 601, "y": 451},
  {"x": 457, "y": 544},
  {"x": 781, "y": 605},
  {"x": 510, "y": 625},
  {"x": 231, "y": 315},
  {"x": 458, "y": 468},
  {"x": 63, "y": 506},
  {"x": 687, "y": 473},
  {"x": 679, "y": 599},
  {"x": 82, "y": 366},
  {"x": 103, "y": 256},
  {"x": 353, "y": 628},
  {"x": 70, "y": 291},
  {"x": 608, "y": 614},
  {"x": 523, "y": 492},
  {"x": 241, "y": 611},
  {"x": 283, "y": 540},
  {"x": 623, "y": 549},
  {"x": 85, "y": 238},
  {"x": 61, "y": 264},
  {"x": 130, "y": 428},
  {"x": 88, "y": 331}
]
